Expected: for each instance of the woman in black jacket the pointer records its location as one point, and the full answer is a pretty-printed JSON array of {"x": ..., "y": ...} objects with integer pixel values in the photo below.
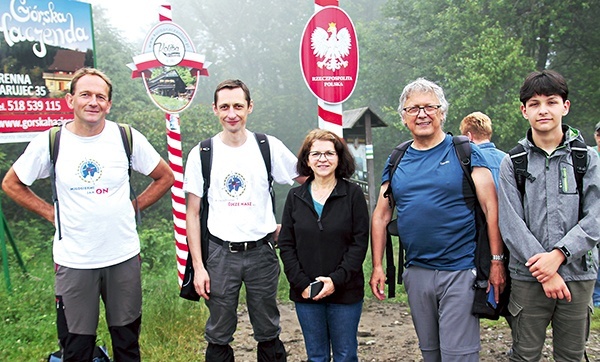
[{"x": 324, "y": 239}]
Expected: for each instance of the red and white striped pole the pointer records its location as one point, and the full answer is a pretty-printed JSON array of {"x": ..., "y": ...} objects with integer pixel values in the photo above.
[
  {"x": 177, "y": 195},
  {"x": 165, "y": 13},
  {"x": 330, "y": 115},
  {"x": 175, "y": 154}
]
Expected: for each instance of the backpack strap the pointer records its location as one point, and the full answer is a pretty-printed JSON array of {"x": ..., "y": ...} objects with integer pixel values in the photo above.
[
  {"x": 54, "y": 142},
  {"x": 518, "y": 156},
  {"x": 579, "y": 157},
  {"x": 462, "y": 147},
  {"x": 205, "y": 149},
  {"x": 395, "y": 158},
  {"x": 483, "y": 254},
  {"x": 390, "y": 268},
  {"x": 392, "y": 227},
  {"x": 265, "y": 151},
  {"x": 127, "y": 138},
  {"x": 206, "y": 160}
]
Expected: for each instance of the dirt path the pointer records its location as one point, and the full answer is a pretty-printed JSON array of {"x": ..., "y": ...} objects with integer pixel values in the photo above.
[{"x": 385, "y": 334}]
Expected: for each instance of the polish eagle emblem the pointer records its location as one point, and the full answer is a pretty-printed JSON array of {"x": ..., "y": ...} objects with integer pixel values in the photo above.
[{"x": 331, "y": 45}]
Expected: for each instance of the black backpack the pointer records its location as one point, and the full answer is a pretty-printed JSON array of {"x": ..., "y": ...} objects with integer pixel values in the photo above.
[
  {"x": 54, "y": 142},
  {"x": 518, "y": 156},
  {"x": 481, "y": 308},
  {"x": 187, "y": 289}
]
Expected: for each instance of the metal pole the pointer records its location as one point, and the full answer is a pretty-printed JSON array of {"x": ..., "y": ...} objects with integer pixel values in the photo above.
[{"x": 372, "y": 190}]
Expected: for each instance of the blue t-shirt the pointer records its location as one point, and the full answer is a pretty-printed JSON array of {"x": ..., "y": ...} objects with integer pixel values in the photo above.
[
  {"x": 435, "y": 222},
  {"x": 494, "y": 157}
]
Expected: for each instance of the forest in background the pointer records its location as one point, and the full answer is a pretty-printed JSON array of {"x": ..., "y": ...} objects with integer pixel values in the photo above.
[{"x": 479, "y": 51}]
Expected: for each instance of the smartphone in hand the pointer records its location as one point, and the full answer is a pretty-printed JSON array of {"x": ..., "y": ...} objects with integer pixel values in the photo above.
[
  {"x": 491, "y": 301},
  {"x": 314, "y": 288}
]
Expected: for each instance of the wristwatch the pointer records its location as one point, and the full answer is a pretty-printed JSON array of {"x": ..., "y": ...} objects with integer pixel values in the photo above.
[
  {"x": 498, "y": 257},
  {"x": 565, "y": 252}
]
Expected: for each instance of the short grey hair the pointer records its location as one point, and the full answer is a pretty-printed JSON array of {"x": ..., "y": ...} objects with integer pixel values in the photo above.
[{"x": 422, "y": 85}]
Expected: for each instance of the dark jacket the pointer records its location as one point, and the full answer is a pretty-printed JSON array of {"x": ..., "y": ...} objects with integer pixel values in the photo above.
[{"x": 332, "y": 246}]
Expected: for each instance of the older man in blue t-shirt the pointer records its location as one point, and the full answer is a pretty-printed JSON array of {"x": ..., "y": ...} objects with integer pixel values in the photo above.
[{"x": 437, "y": 229}]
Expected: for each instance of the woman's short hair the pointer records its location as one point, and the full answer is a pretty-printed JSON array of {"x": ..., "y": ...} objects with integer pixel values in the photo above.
[{"x": 346, "y": 165}]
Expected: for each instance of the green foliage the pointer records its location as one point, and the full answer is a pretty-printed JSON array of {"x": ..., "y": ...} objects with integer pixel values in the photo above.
[
  {"x": 172, "y": 328},
  {"x": 28, "y": 329},
  {"x": 158, "y": 245},
  {"x": 480, "y": 53},
  {"x": 33, "y": 240}
]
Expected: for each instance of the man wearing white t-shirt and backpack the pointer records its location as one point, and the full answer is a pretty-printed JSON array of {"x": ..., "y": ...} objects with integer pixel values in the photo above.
[
  {"x": 241, "y": 227},
  {"x": 96, "y": 246}
]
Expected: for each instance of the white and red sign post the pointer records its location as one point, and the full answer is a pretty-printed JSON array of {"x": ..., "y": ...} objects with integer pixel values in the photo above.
[
  {"x": 329, "y": 61},
  {"x": 167, "y": 51}
]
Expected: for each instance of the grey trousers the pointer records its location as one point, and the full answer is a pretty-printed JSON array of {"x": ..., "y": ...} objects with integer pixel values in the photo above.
[
  {"x": 440, "y": 306},
  {"x": 258, "y": 269}
]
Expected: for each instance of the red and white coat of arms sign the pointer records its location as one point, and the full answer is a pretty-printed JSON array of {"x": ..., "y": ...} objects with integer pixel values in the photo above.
[{"x": 329, "y": 55}]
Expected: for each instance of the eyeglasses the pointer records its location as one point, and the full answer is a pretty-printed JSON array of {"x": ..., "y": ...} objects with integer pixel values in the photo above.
[
  {"x": 413, "y": 111},
  {"x": 316, "y": 155}
]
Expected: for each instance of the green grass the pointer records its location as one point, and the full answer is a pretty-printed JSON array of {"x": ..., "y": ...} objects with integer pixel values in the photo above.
[{"x": 172, "y": 328}]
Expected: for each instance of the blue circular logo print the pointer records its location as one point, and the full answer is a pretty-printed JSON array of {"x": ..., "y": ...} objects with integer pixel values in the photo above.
[
  {"x": 90, "y": 171},
  {"x": 235, "y": 185}
]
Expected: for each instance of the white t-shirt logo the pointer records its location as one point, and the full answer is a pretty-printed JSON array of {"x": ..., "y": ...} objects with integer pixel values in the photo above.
[
  {"x": 90, "y": 171},
  {"x": 235, "y": 184}
]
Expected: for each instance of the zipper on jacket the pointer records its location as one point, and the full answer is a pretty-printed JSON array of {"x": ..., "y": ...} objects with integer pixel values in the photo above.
[
  {"x": 586, "y": 260},
  {"x": 312, "y": 207},
  {"x": 564, "y": 183}
]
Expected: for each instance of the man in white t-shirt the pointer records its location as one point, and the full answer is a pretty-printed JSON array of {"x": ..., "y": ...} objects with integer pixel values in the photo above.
[
  {"x": 96, "y": 246},
  {"x": 242, "y": 228}
]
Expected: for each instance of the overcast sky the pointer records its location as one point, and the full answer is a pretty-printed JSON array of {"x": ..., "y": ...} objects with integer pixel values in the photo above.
[{"x": 134, "y": 17}]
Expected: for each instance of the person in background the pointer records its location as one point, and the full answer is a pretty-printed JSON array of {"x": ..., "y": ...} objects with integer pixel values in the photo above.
[
  {"x": 552, "y": 266},
  {"x": 324, "y": 239},
  {"x": 437, "y": 228},
  {"x": 97, "y": 254},
  {"x": 478, "y": 127},
  {"x": 242, "y": 228},
  {"x": 596, "y": 294}
]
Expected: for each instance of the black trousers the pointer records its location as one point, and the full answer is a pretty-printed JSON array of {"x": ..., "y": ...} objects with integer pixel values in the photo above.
[{"x": 268, "y": 351}]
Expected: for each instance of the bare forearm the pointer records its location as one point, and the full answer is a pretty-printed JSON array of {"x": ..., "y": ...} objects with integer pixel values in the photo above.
[
  {"x": 26, "y": 198},
  {"x": 193, "y": 230},
  {"x": 381, "y": 217},
  {"x": 377, "y": 242},
  {"x": 163, "y": 179}
]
